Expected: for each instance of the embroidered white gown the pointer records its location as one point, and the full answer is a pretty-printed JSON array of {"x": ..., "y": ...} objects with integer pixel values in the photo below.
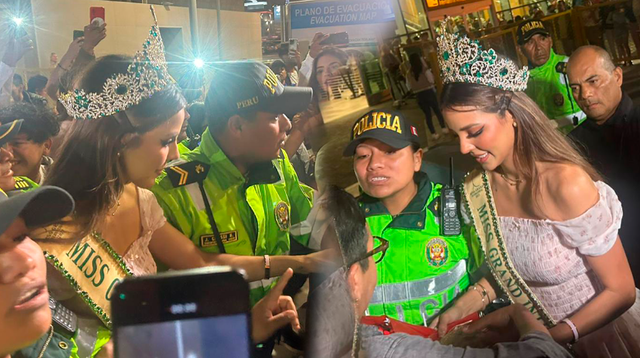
[{"x": 550, "y": 257}]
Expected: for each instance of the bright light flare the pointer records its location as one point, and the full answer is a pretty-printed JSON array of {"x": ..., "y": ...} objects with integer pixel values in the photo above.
[
  {"x": 18, "y": 20},
  {"x": 198, "y": 62}
]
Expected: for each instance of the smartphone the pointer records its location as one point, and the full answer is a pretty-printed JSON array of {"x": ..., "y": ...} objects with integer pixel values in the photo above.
[
  {"x": 96, "y": 12},
  {"x": 192, "y": 313},
  {"x": 293, "y": 46},
  {"x": 340, "y": 38},
  {"x": 77, "y": 33}
]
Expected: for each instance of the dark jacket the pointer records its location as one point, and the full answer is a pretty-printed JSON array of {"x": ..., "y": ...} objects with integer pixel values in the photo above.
[
  {"x": 613, "y": 148},
  {"x": 51, "y": 345}
]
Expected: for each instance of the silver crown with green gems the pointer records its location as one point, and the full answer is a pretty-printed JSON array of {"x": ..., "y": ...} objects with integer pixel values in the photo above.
[
  {"x": 463, "y": 60},
  {"x": 146, "y": 75}
]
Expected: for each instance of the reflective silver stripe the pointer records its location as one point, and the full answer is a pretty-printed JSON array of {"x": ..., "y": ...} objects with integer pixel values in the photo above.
[
  {"x": 262, "y": 283},
  {"x": 194, "y": 192},
  {"x": 405, "y": 291}
]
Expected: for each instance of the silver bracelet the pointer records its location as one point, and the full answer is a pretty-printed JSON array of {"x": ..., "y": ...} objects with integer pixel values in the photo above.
[{"x": 574, "y": 329}]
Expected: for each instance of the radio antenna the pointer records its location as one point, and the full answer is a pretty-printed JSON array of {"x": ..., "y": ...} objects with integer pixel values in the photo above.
[{"x": 451, "y": 171}]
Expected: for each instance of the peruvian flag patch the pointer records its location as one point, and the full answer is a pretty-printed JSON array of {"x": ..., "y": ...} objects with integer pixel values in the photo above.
[{"x": 414, "y": 131}]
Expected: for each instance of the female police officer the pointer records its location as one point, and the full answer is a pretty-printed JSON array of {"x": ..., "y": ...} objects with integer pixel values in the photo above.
[{"x": 422, "y": 270}]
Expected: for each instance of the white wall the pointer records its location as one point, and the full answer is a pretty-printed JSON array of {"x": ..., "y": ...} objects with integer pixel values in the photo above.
[{"x": 128, "y": 25}]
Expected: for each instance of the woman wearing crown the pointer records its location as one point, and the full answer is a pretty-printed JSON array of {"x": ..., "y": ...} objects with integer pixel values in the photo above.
[
  {"x": 547, "y": 222},
  {"x": 128, "y": 115}
]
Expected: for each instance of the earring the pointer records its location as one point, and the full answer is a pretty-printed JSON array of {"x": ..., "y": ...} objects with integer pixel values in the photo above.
[
  {"x": 355, "y": 346},
  {"x": 515, "y": 125},
  {"x": 118, "y": 154}
]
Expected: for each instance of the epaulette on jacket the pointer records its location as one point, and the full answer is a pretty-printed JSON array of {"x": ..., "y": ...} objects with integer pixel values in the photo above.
[
  {"x": 186, "y": 173},
  {"x": 23, "y": 184}
]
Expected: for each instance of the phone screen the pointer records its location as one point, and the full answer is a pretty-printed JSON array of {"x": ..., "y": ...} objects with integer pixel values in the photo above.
[
  {"x": 185, "y": 314},
  {"x": 223, "y": 336}
]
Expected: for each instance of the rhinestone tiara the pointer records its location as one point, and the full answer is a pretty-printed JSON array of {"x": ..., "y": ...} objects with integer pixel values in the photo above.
[
  {"x": 463, "y": 60},
  {"x": 146, "y": 75}
]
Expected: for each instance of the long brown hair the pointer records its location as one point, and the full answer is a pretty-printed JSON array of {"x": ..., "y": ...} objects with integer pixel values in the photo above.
[
  {"x": 535, "y": 139},
  {"x": 90, "y": 166}
]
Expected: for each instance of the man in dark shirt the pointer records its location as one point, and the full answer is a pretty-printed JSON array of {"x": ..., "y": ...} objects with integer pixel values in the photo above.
[{"x": 609, "y": 136}]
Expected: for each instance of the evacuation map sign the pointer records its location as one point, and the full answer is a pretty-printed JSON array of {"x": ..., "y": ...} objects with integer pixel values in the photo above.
[{"x": 340, "y": 13}]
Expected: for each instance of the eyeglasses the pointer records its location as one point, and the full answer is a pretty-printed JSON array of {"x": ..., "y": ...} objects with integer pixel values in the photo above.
[{"x": 380, "y": 249}]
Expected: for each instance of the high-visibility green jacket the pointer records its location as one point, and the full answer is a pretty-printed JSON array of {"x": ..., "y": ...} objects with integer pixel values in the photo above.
[
  {"x": 254, "y": 214},
  {"x": 422, "y": 270},
  {"x": 548, "y": 87}
]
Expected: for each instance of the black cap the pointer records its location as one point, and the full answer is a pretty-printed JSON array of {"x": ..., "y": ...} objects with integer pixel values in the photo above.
[
  {"x": 9, "y": 130},
  {"x": 37, "y": 207},
  {"x": 243, "y": 87},
  {"x": 389, "y": 127},
  {"x": 528, "y": 28}
]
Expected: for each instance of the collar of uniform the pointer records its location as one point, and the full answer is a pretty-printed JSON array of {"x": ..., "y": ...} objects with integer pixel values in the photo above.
[
  {"x": 625, "y": 106},
  {"x": 264, "y": 173},
  {"x": 413, "y": 216},
  {"x": 550, "y": 62}
]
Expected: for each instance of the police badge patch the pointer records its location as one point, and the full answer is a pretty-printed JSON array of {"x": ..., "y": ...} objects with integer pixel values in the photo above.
[
  {"x": 558, "y": 99},
  {"x": 282, "y": 216},
  {"x": 437, "y": 252}
]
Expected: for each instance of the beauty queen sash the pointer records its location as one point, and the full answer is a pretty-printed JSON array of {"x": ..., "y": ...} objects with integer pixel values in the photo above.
[
  {"x": 90, "y": 265},
  {"x": 479, "y": 200}
]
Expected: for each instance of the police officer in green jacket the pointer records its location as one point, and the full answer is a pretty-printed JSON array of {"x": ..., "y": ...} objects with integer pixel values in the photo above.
[
  {"x": 422, "y": 270},
  {"x": 237, "y": 192},
  {"x": 548, "y": 84}
]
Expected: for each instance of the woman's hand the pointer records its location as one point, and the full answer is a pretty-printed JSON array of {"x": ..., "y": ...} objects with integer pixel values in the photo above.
[
  {"x": 507, "y": 324},
  {"x": 274, "y": 311},
  {"x": 443, "y": 320},
  {"x": 93, "y": 34},
  {"x": 74, "y": 48}
]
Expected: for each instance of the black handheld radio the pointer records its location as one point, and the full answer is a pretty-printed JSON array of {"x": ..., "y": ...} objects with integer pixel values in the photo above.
[
  {"x": 450, "y": 222},
  {"x": 63, "y": 316}
]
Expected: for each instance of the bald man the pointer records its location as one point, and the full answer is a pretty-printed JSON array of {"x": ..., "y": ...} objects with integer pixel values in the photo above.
[{"x": 610, "y": 137}]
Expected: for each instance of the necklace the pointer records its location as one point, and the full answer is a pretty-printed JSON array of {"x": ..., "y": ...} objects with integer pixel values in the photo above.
[
  {"x": 510, "y": 181},
  {"x": 116, "y": 210}
]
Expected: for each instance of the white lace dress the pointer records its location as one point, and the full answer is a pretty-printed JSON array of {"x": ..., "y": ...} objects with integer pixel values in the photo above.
[
  {"x": 550, "y": 257},
  {"x": 138, "y": 257}
]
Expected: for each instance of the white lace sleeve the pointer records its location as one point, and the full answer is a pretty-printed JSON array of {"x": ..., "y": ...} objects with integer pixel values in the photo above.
[
  {"x": 153, "y": 214},
  {"x": 594, "y": 232}
]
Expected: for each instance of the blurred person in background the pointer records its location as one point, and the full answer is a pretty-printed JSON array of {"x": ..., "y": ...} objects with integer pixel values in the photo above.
[
  {"x": 20, "y": 94},
  {"x": 292, "y": 61},
  {"x": 325, "y": 72},
  {"x": 32, "y": 145},
  {"x": 280, "y": 69},
  {"x": 422, "y": 83},
  {"x": 7, "y": 132},
  {"x": 548, "y": 85},
  {"x": 36, "y": 84},
  {"x": 15, "y": 50}
]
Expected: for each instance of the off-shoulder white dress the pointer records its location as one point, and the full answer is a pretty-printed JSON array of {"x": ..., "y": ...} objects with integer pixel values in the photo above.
[{"x": 550, "y": 257}]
